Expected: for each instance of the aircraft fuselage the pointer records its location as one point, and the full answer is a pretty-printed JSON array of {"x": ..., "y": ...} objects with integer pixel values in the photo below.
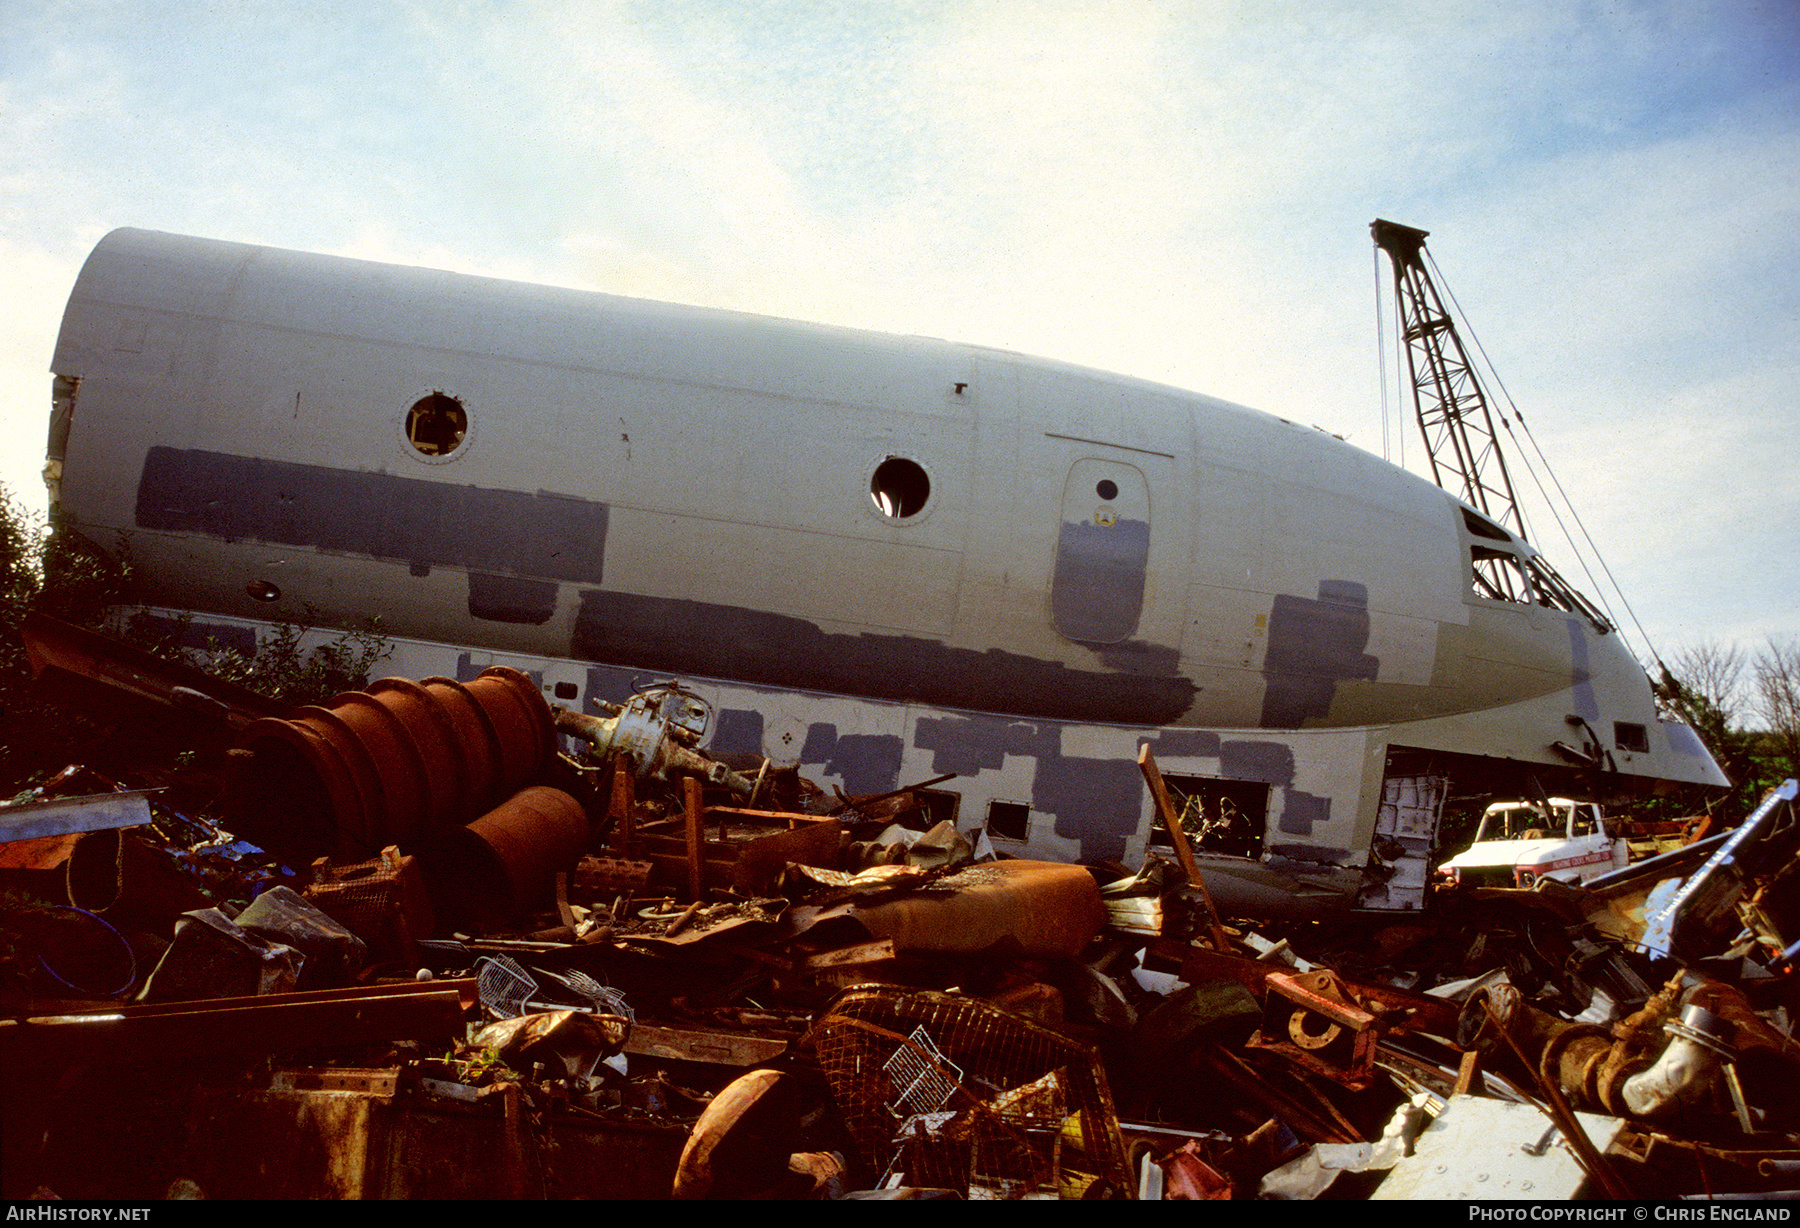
[{"x": 881, "y": 557}]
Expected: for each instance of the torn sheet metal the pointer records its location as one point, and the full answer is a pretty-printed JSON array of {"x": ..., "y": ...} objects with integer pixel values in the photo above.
[{"x": 575, "y": 1041}]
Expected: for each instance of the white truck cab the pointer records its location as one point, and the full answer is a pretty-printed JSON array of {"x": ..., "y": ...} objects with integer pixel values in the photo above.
[{"x": 1518, "y": 843}]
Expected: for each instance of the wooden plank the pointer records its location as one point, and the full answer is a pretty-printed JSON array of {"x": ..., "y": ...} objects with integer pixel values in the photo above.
[
  {"x": 773, "y": 818},
  {"x": 696, "y": 837},
  {"x": 1166, "y": 812},
  {"x": 760, "y": 862}
]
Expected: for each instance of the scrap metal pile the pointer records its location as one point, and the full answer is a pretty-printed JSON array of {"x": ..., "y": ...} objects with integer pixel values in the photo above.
[{"x": 409, "y": 943}]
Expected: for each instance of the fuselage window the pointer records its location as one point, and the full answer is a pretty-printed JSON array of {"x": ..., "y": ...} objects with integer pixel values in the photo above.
[
  {"x": 436, "y": 424},
  {"x": 1498, "y": 575},
  {"x": 899, "y": 487}
]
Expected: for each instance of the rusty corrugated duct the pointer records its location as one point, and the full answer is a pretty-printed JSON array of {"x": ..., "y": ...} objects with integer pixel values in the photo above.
[{"x": 387, "y": 765}]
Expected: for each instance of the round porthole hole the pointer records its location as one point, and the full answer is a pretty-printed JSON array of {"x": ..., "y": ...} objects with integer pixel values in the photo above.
[
  {"x": 437, "y": 424},
  {"x": 899, "y": 488}
]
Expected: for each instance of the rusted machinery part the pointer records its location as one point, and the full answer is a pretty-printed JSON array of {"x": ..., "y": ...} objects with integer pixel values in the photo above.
[
  {"x": 297, "y": 792},
  {"x": 1582, "y": 1060},
  {"x": 1750, "y": 1031},
  {"x": 1697, "y": 1043},
  {"x": 1047, "y": 908},
  {"x": 506, "y": 861},
  {"x": 1574, "y": 1057},
  {"x": 474, "y": 738},
  {"x": 653, "y": 746}
]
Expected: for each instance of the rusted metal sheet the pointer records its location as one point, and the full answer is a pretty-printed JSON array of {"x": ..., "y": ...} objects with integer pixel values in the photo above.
[
  {"x": 1045, "y": 908},
  {"x": 861, "y": 953},
  {"x": 381, "y": 1081},
  {"x": 44, "y": 853},
  {"x": 303, "y": 1138}
]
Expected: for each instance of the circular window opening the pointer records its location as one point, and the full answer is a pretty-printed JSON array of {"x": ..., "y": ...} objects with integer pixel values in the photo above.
[
  {"x": 899, "y": 487},
  {"x": 1107, "y": 489},
  {"x": 436, "y": 424}
]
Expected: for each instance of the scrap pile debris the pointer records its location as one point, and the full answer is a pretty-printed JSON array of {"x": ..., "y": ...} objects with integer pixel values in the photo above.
[{"x": 441, "y": 939}]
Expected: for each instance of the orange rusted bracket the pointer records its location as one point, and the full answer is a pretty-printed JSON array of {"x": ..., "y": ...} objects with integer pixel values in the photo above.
[
  {"x": 624, "y": 800},
  {"x": 1166, "y": 812}
]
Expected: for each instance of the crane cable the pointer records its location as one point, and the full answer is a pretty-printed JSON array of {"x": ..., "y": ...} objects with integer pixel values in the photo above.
[{"x": 1381, "y": 363}]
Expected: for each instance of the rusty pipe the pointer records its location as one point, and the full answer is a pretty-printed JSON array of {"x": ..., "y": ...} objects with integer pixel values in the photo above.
[{"x": 1684, "y": 1071}]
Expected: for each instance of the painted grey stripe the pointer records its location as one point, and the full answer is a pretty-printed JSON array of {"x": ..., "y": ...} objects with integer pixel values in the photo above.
[
  {"x": 243, "y": 498},
  {"x": 749, "y": 646}
]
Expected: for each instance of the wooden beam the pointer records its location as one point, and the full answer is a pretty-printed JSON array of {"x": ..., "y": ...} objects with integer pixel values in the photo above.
[
  {"x": 1159, "y": 793},
  {"x": 696, "y": 836}
]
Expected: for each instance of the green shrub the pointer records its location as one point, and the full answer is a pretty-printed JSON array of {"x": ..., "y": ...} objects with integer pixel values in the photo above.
[{"x": 65, "y": 575}]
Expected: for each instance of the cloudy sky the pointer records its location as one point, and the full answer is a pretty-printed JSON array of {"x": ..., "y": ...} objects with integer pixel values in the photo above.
[{"x": 1174, "y": 190}]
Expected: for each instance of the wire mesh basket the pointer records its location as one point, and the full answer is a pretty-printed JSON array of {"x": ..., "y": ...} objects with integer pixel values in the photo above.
[{"x": 957, "y": 1093}]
